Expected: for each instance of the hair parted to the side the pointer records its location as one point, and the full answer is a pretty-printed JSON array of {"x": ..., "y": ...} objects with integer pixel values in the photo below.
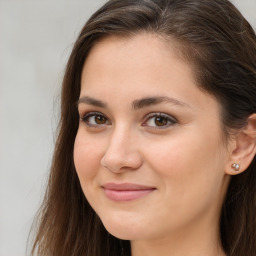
[{"x": 220, "y": 45}]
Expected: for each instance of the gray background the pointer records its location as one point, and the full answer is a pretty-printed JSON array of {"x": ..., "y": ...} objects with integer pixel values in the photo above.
[{"x": 36, "y": 38}]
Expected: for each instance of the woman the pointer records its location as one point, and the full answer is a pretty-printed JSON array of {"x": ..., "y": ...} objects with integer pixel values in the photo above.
[{"x": 156, "y": 146}]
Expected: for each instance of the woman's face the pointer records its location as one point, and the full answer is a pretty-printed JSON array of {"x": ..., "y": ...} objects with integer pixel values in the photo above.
[{"x": 149, "y": 150}]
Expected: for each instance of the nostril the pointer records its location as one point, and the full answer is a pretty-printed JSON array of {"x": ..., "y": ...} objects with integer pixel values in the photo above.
[
  {"x": 112, "y": 164},
  {"x": 120, "y": 163}
]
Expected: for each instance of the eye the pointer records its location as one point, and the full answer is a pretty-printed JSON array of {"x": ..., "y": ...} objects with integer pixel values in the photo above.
[
  {"x": 95, "y": 119},
  {"x": 159, "y": 121}
]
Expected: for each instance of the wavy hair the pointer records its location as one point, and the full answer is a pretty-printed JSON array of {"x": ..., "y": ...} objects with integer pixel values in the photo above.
[{"x": 220, "y": 45}]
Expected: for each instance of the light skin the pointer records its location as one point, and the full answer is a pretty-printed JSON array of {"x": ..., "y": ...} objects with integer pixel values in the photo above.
[{"x": 144, "y": 121}]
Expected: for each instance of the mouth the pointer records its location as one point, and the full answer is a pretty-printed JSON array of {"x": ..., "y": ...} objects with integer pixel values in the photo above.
[{"x": 126, "y": 191}]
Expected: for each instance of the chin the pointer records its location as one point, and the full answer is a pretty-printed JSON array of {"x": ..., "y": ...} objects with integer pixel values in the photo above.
[
  {"x": 123, "y": 233},
  {"x": 124, "y": 229}
]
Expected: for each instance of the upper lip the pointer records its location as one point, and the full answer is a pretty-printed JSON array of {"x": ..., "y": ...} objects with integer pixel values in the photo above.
[{"x": 126, "y": 186}]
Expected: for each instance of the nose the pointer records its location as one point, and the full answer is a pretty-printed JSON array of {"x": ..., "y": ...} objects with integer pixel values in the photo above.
[{"x": 122, "y": 152}]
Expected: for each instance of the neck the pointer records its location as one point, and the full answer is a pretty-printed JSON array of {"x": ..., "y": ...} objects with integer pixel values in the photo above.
[
  {"x": 189, "y": 242},
  {"x": 199, "y": 238}
]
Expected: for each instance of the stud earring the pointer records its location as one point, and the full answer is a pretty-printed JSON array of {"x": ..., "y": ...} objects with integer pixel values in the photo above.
[{"x": 236, "y": 167}]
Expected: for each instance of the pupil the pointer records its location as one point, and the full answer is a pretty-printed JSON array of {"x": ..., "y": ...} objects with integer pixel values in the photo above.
[
  {"x": 160, "y": 121},
  {"x": 100, "y": 119}
]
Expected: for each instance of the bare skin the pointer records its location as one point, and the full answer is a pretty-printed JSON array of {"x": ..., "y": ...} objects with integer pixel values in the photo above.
[{"x": 144, "y": 121}]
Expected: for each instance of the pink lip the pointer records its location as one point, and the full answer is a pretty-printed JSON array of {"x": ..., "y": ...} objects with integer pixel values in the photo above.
[{"x": 126, "y": 191}]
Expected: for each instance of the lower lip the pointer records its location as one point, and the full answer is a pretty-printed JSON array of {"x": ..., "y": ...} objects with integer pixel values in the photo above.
[{"x": 126, "y": 195}]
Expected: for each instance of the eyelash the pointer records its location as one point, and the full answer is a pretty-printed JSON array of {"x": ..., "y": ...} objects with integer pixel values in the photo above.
[
  {"x": 86, "y": 117},
  {"x": 170, "y": 121}
]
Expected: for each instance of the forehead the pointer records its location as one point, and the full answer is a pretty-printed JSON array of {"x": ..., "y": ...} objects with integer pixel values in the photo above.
[
  {"x": 134, "y": 57},
  {"x": 138, "y": 67}
]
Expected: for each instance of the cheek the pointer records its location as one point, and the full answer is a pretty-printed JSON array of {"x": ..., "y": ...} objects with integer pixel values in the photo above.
[
  {"x": 190, "y": 175},
  {"x": 86, "y": 158},
  {"x": 187, "y": 163}
]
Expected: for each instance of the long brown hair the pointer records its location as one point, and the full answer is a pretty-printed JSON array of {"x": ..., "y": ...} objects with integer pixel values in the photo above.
[{"x": 220, "y": 45}]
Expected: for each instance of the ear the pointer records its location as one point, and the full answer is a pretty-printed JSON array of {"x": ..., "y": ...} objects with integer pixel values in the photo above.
[{"x": 243, "y": 148}]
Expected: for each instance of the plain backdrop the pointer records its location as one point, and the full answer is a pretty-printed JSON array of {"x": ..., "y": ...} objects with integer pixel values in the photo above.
[{"x": 36, "y": 38}]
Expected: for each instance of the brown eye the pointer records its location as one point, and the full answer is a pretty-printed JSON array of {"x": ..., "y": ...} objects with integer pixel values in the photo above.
[
  {"x": 160, "y": 121},
  {"x": 95, "y": 119},
  {"x": 100, "y": 119}
]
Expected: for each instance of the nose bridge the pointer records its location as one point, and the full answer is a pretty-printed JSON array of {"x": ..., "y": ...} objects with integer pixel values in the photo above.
[{"x": 122, "y": 150}]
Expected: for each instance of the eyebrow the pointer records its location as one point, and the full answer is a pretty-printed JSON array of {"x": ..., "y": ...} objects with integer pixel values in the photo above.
[
  {"x": 148, "y": 101},
  {"x": 136, "y": 104},
  {"x": 91, "y": 101}
]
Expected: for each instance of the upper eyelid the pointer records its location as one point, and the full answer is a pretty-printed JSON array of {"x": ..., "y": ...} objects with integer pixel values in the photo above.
[
  {"x": 94, "y": 113},
  {"x": 151, "y": 114},
  {"x": 172, "y": 121},
  {"x": 162, "y": 114},
  {"x": 145, "y": 118},
  {"x": 91, "y": 113}
]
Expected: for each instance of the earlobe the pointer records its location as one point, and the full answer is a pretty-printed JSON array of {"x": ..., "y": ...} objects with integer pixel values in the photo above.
[{"x": 244, "y": 150}]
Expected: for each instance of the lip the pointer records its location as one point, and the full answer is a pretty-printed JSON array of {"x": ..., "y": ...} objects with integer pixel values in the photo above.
[{"x": 126, "y": 191}]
